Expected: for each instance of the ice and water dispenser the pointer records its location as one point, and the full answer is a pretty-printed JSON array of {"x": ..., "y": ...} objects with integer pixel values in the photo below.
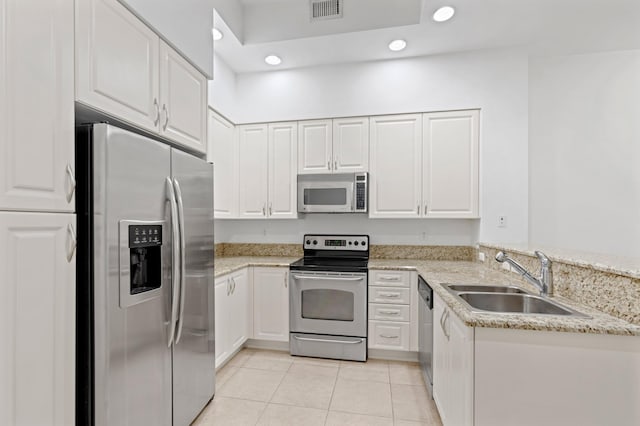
[{"x": 140, "y": 261}]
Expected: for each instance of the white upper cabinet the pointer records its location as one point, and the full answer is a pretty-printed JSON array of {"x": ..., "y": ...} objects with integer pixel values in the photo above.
[
  {"x": 450, "y": 164},
  {"x": 253, "y": 170},
  {"x": 395, "y": 180},
  {"x": 125, "y": 70},
  {"x": 351, "y": 145},
  {"x": 283, "y": 140},
  {"x": 333, "y": 146},
  {"x": 37, "y": 317},
  {"x": 183, "y": 99},
  {"x": 314, "y": 146},
  {"x": 267, "y": 171},
  {"x": 36, "y": 106},
  {"x": 117, "y": 63},
  {"x": 223, "y": 153}
]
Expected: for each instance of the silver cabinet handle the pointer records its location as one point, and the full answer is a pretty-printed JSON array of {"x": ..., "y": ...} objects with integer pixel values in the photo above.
[
  {"x": 388, "y": 336},
  {"x": 388, "y": 278},
  {"x": 155, "y": 104},
  {"x": 445, "y": 325},
  {"x": 228, "y": 287},
  {"x": 233, "y": 285},
  {"x": 183, "y": 267},
  {"x": 442, "y": 322},
  {"x": 166, "y": 114},
  {"x": 335, "y": 165},
  {"x": 329, "y": 164},
  {"x": 270, "y": 209},
  {"x": 350, "y": 342},
  {"x": 390, "y": 312},
  {"x": 285, "y": 280},
  {"x": 175, "y": 274},
  {"x": 72, "y": 181},
  {"x": 425, "y": 209},
  {"x": 73, "y": 242},
  {"x": 264, "y": 210},
  {"x": 389, "y": 295},
  {"x": 418, "y": 209}
]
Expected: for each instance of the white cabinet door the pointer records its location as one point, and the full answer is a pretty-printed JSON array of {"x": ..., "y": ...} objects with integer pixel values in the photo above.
[
  {"x": 117, "y": 63},
  {"x": 395, "y": 153},
  {"x": 253, "y": 170},
  {"x": 222, "y": 319},
  {"x": 460, "y": 353},
  {"x": 239, "y": 313},
  {"x": 351, "y": 145},
  {"x": 36, "y": 105},
  {"x": 37, "y": 319},
  {"x": 223, "y": 153},
  {"x": 450, "y": 164},
  {"x": 183, "y": 100},
  {"x": 271, "y": 304},
  {"x": 315, "y": 147},
  {"x": 282, "y": 161},
  {"x": 440, "y": 360}
]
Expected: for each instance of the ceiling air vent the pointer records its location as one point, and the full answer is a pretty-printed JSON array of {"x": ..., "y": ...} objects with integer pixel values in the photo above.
[{"x": 326, "y": 9}]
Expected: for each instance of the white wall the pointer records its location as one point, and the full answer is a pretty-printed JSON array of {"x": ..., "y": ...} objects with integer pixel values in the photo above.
[
  {"x": 494, "y": 81},
  {"x": 222, "y": 90},
  {"x": 584, "y": 154}
]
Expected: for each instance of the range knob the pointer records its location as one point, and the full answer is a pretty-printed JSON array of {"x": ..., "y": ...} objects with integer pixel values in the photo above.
[
  {"x": 364, "y": 243},
  {"x": 355, "y": 243},
  {"x": 308, "y": 242},
  {"x": 315, "y": 242}
]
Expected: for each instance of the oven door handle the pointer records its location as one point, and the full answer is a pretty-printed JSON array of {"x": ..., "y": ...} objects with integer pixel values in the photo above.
[
  {"x": 331, "y": 278},
  {"x": 350, "y": 342}
]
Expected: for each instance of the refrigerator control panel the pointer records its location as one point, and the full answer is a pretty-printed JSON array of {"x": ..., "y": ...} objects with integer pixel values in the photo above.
[{"x": 145, "y": 235}]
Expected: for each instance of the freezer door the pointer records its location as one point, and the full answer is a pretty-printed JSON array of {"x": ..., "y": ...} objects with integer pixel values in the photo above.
[
  {"x": 132, "y": 278},
  {"x": 193, "y": 350}
]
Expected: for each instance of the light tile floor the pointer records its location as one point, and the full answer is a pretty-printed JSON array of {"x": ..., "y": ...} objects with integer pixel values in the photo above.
[{"x": 260, "y": 387}]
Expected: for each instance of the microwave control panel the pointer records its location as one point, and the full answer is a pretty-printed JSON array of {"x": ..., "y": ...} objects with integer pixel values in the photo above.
[{"x": 361, "y": 192}]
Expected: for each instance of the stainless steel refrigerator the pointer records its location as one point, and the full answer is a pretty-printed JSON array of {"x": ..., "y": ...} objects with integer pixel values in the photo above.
[{"x": 145, "y": 284}]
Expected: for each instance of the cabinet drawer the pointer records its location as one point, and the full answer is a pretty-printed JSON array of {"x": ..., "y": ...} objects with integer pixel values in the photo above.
[
  {"x": 390, "y": 278},
  {"x": 389, "y": 312},
  {"x": 393, "y": 295},
  {"x": 389, "y": 335}
]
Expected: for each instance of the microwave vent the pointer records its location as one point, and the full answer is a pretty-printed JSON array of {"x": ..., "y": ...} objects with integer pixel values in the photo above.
[{"x": 326, "y": 9}]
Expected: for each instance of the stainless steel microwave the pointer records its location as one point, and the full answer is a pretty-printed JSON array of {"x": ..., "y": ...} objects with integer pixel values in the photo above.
[{"x": 335, "y": 193}]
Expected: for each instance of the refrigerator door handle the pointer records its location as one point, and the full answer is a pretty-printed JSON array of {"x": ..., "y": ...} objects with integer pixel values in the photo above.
[
  {"x": 175, "y": 274},
  {"x": 183, "y": 271}
]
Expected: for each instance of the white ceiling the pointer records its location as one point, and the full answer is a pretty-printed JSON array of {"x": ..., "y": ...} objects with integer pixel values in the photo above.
[{"x": 283, "y": 27}]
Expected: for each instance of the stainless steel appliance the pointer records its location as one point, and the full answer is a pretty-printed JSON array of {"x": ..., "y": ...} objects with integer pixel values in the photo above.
[
  {"x": 145, "y": 286},
  {"x": 425, "y": 332},
  {"x": 328, "y": 298},
  {"x": 336, "y": 193}
]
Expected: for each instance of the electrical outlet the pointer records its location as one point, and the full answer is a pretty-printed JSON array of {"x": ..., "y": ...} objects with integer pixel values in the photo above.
[
  {"x": 502, "y": 221},
  {"x": 506, "y": 266},
  {"x": 481, "y": 257}
]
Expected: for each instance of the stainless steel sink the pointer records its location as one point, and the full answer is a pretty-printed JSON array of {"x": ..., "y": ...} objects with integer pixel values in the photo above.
[
  {"x": 515, "y": 303},
  {"x": 485, "y": 288}
]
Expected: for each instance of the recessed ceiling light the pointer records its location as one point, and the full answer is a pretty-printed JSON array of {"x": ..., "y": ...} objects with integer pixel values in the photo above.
[
  {"x": 397, "y": 45},
  {"x": 217, "y": 34},
  {"x": 443, "y": 14},
  {"x": 273, "y": 60}
]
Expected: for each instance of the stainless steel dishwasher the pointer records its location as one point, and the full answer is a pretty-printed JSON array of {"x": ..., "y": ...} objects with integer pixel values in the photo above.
[{"x": 425, "y": 332}]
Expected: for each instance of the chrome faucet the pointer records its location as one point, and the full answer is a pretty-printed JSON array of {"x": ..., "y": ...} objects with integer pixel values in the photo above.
[{"x": 544, "y": 282}]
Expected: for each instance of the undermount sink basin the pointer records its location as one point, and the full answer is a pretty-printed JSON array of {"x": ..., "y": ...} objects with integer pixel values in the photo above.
[
  {"x": 485, "y": 288},
  {"x": 515, "y": 303}
]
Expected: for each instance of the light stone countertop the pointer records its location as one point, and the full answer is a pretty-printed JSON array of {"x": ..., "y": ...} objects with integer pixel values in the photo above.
[{"x": 437, "y": 272}]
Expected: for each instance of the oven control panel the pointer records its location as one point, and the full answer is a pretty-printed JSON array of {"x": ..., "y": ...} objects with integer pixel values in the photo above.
[{"x": 336, "y": 242}]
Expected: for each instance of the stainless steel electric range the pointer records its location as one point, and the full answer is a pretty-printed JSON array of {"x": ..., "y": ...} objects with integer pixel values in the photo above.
[{"x": 328, "y": 295}]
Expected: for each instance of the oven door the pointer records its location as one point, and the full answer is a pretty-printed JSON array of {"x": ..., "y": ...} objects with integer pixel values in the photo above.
[{"x": 328, "y": 303}]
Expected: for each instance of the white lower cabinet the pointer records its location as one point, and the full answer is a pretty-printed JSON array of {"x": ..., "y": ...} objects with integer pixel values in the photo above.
[
  {"x": 232, "y": 313},
  {"x": 452, "y": 366},
  {"x": 37, "y": 319},
  {"x": 271, "y": 304},
  {"x": 392, "y": 310}
]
